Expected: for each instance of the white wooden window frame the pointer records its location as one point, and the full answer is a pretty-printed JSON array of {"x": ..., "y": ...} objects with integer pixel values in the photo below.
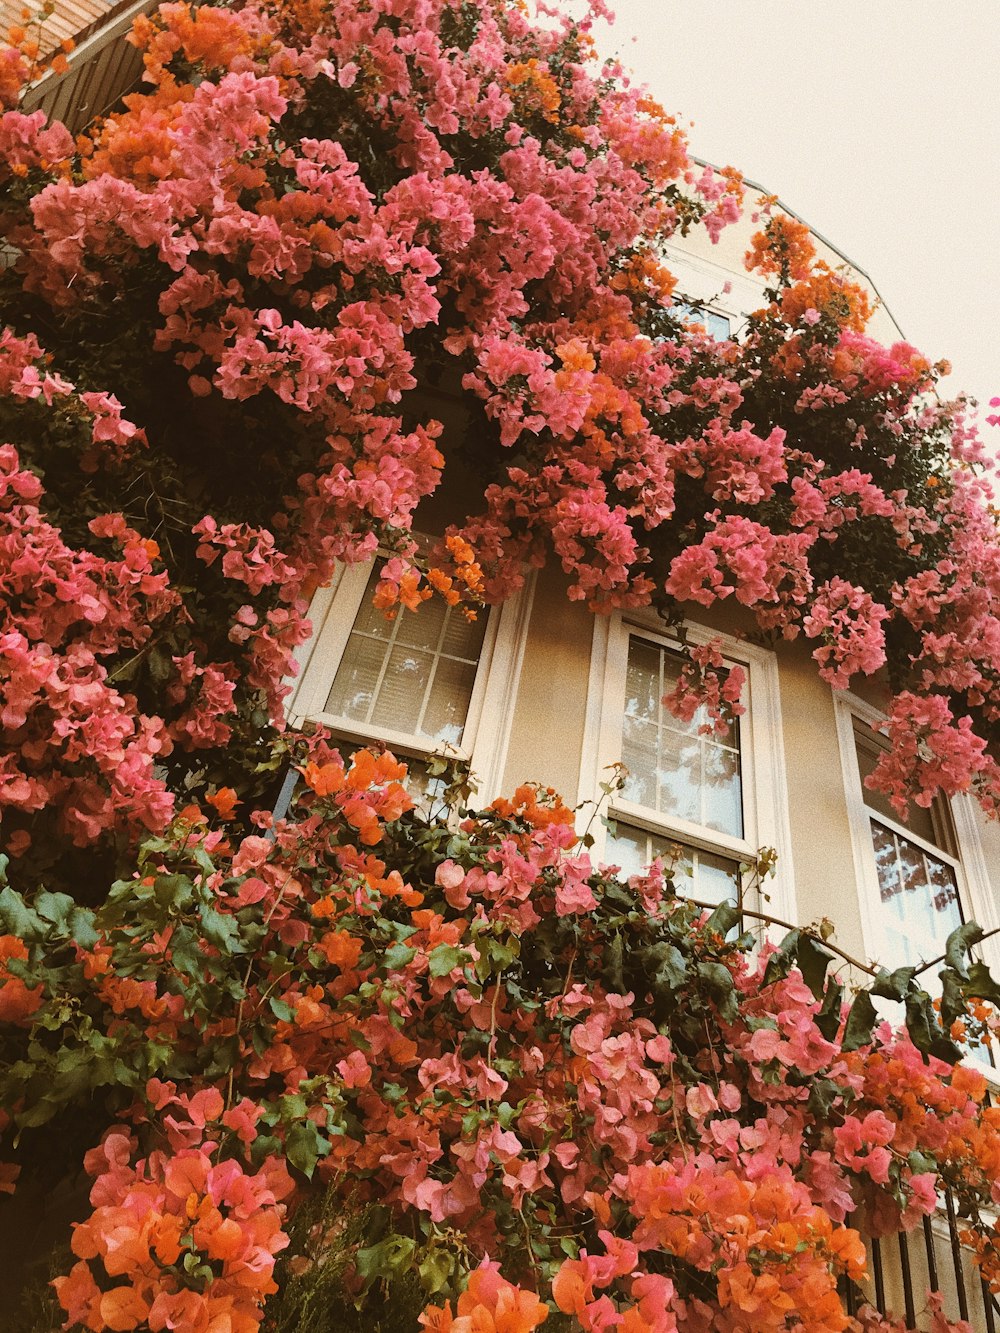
[
  {"x": 967, "y": 860},
  {"x": 762, "y": 767},
  {"x": 486, "y": 734}
]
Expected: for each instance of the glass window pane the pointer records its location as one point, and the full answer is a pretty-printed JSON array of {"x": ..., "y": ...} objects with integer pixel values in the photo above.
[
  {"x": 642, "y": 681},
  {"x": 722, "y": 794},
  {"x": 422, "y": 628},
  {"x": 696, "y": 873},
  {"x": 919, "y": 894},
  {"x": 944, "y": 893},
  {"x": 639, "y": 755},
  {"x": 679, "y": 775},
  {"x": 401, "y": 694},
  {"x": 716, "y": 880},
  {"x": 412, "y": 674},
  {"x": 357, "y": 677},
  {"x": 370, "y": 620},
  {"x": 890, "y": 885},
  {"x": 674, "y": 770},
  {"x": 629, "y": 849},
  {"x": 464, "y": 638},
  {"x": 448, "y": 703}
]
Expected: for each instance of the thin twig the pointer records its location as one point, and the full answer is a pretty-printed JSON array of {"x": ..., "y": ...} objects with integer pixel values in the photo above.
[{"x": 787, "y": 925}]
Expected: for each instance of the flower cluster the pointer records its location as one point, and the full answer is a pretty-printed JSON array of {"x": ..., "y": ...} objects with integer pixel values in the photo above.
[{"x": 680, "y": 1137}]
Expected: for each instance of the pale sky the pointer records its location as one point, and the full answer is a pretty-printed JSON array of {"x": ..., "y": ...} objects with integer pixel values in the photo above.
[{"x": 877, "y": 121}]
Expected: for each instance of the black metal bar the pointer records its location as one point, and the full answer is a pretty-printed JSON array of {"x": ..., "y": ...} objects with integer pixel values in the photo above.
[
  {"x": 989, "y": 1305},
  {"x": 904, "y": 1261},
  {"x": 956, "y": 1256},
  {"x": 932, "y": 1268},
  {"x": 847, "y": 1294},
  {"x": 879, "y": 1277}
]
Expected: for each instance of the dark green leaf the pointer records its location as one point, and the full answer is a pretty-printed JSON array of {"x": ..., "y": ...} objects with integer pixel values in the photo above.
[
  {"x": 960, "y": 941},
  {"x": 828, "y": 1018},
  {"x": 613, "y": 974},
  {"x": 893, "y": 985},
  {"x": 666, "y": 965},
  {"x": 981, "y": 984},
  {"x": 780, "y": 962},
  {"x": 860, "y": 1021},
  {"x": 822, "y": 1095},
  {"x": 952, "y": 997},
  {"x": 813, "y": 961},
  {"x": 723, "y": 919},
  {"x": 304, "y": 1146}
]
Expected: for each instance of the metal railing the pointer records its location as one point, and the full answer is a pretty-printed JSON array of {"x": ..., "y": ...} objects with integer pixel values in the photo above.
[{"x": 940, "y": 1264}]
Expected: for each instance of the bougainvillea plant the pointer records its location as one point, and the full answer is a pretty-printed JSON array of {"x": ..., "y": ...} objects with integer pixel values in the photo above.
[
  {"x": 526, "y": 1090},
  {"x": 371, "y": 1058},
  {"x": 223, "y": 301}
]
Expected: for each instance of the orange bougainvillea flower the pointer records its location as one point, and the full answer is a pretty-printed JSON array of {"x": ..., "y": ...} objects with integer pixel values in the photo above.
[
  {"x": 324, "y": 779},
  {"x": 17, "y": 1001},
  {"x": 224, "y": 802},
  {"x": 490, "y": 1304},
  {"x": 784, "y": 246}
]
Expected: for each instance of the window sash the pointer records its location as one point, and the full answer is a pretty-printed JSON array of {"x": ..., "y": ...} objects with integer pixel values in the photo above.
[
  {"x": 636, "y": 705},
  {"x": 956, "y": 826},
  {"x": 697, "y": 872},
  {"x": 367, "y": 643},
  {"x": 335, "y": 610}
]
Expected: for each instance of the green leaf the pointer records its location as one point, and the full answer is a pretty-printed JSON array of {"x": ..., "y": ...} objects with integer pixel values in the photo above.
[
  {"x": 387, "y": 1259},
  {"x": 719, "y": 982},
  {"x": 893, "y": 985},
  {"x": 667, "y": 966},
  {"x": 54, "y": 907},
  {"x": 780, "y": 962},
  {"x": 860, "y": 1021},
  {"x": 952, "y": 997},
  {"x": 981, "y": 984},
  {"x": 304, "y": 1146},
  {"x": 221, "y": 930},
  {"x": 398, "y": 955},
  {"x": 828, "y": 1018},
  {"x": 613, "y": 973},
  {"x": 723, "y": 919},
  {"x": 173, "y": 891},
  {"x": 81, "y": 927},
  {"x": 19, "y": 919},
  {"x": 921, "y": 1162},
  {"x": 813, "y": 961},
  {"x": 822, "y": 1095},
  {"x": 442, "y": 960},
  {"x": 435, "y": 1270},
  {"x": 959, "y": 942},
  {"x": 923, "y": 1028},
  {"x": 281, "y": 1009}
]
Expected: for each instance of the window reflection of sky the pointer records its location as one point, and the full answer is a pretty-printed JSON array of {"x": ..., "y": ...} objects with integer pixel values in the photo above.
[
  {"x": 673, "y": 769},
  {"x": 676, "y": 772}
]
